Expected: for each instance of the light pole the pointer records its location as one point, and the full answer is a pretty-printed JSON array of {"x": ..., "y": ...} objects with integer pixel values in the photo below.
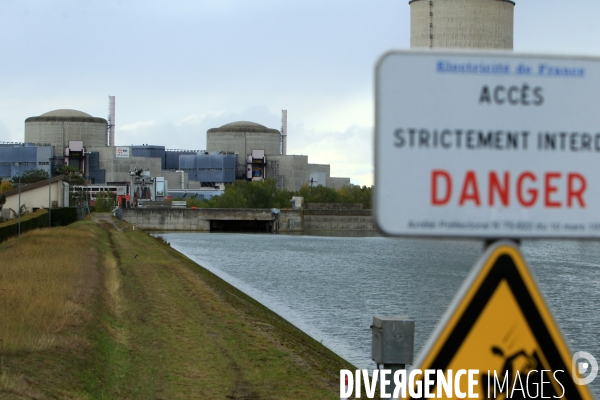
[
  {"x": 49, "y": 194},
  {"x": 83, "y": 172},
  {"x": 19, "y": 212}
]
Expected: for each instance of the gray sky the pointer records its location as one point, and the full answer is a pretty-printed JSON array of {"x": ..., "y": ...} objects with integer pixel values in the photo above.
[{"x": 180, "y": 68}]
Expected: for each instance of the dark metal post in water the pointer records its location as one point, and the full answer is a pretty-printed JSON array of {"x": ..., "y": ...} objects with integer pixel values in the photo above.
[{"x": 393, "y": 340}]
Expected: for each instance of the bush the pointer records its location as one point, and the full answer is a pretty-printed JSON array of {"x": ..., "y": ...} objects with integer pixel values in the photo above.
[
  {"x": 105, "y": 201},
  {"x": 63, "y": 216},
  {"x": 162, "y": 240},
  {"x": 192, "y": 202},
  {"x": 347, "y": 194},
  {"x": 5, "y": 186},
  {"x": 30, "y": 176},
  {"x": 264, "y": 194},
  {"x": 38, "y": 219}
]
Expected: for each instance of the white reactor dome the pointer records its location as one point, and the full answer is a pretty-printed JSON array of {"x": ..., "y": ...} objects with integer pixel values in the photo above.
[
  {"x": 479, "y": 24},
  {"x": 58, "y": 127},
  {"x": 242, "y": 137}
]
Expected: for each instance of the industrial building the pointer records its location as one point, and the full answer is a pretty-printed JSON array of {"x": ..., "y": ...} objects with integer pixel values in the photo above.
[
  {"x": 237, "y": 150},
  {"x": 209, "y": 169},
  {"x": 116, "y": 163},
  {"x": 169, "y": 158},
  {"x": 241, "y": 138},
  {"x": 71, "y": 137},
  {"x": 17, "y": 158},
  {"x": 67, "y": 131},
  {"x": 474, "y": 24},
  {"x": 262, "y": 153}
]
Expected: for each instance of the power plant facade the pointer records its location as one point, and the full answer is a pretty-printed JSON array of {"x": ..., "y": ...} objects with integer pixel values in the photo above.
[
  {"x": 261, "y": 153},
  {"x": 241, "y": 138},
  {"x": 15, "y": 159},
  {"x": 474, "y": 24},
  {"x": 57, "y": 128},
  {"x": 209, "y": 169},
  {"x": 237, "y": 150}
]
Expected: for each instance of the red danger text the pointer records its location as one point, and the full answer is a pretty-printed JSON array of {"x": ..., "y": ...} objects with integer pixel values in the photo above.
[{"x": 550, "y": 189}]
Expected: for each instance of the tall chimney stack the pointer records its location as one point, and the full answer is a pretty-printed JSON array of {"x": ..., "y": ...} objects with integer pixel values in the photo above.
[
  {"x": 111, "y": 121},
  {"x": 283, "y": 132}
]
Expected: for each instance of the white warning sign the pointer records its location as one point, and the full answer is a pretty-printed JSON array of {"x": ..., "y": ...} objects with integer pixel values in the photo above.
[{"x": 487, "y": 145}]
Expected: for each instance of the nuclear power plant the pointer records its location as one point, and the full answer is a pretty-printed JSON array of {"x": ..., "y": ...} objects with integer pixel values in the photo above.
[
  {"x": 237, "y": 150},
  {"x": 471, "y": 24},
  {"x": 240, "y": 149}
]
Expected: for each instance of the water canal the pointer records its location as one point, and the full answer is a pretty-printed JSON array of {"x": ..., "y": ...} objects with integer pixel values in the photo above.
[{"x": 330, "y": 287}]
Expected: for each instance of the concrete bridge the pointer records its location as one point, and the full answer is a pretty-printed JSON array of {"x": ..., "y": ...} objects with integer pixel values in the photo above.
[
  {"x": 248, "y": 219},
  {"x": 203, "y": 219}
]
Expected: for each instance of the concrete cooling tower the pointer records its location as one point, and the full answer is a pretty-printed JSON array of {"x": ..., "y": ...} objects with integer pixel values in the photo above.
[{"x": 476, "y": 24}]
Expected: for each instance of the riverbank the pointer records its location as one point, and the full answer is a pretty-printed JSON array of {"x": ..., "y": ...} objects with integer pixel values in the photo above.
[{"x": 102, "y": 311}]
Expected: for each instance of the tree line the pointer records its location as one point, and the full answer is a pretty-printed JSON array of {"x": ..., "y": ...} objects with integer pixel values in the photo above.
[
  {"x": 264, "y": 194},
  {"x": 239, "y": 194},
  {"x": 72, "y": 175}
]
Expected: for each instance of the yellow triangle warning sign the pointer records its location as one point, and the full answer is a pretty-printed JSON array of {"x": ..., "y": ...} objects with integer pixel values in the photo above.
[{"x": 500, "y": 325}]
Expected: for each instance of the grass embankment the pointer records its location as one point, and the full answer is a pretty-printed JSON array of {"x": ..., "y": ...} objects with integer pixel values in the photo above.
[{"x": 96, "y": 310}]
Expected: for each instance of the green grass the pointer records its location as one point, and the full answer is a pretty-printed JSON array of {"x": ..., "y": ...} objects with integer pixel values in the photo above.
[{"x": 150, "y": 323}]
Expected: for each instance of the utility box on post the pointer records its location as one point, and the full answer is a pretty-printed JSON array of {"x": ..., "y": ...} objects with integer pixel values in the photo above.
[{"x": 393, "y": 340}]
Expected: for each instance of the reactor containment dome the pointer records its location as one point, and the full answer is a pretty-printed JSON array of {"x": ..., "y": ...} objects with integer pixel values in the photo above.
[
  {"x": 58, "y": 127},
  {"x": 241, "y": 138}
]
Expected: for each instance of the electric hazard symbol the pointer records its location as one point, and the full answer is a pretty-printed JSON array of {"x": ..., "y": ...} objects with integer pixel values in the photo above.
[{"x": 500, "y": 325}]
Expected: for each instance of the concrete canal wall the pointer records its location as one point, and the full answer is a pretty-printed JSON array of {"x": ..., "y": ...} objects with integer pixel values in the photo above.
[
  {"x": 342, "y": 220},
  {"x": 190, "y": 220},
  {"x": 208, "y": 219}
]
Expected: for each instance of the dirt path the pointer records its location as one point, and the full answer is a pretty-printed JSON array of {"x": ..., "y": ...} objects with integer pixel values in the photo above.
[
  {"x": 192, "y": 336},
  {"x": 106, "y": 218}
]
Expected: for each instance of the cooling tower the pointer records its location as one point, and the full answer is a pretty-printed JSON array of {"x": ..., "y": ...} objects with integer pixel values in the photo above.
[{"x": 477, "y": 24}]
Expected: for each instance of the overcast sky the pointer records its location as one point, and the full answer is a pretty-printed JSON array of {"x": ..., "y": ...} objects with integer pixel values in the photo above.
[{"x": 180, "y": 68}]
